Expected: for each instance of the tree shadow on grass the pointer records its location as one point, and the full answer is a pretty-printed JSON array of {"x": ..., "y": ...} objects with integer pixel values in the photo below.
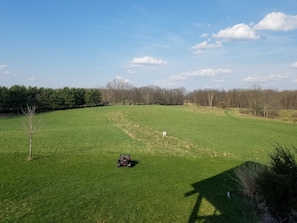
[
  {"x": 213, "y": 204},
  {"x": 41, "y": 157}
]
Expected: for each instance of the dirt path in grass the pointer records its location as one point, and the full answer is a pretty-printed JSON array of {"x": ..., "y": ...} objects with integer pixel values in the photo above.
[{"x": 156, "y": 143}]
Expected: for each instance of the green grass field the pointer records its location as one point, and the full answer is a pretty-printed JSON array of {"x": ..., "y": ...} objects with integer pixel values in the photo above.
[{"x": 183, "y": 177}]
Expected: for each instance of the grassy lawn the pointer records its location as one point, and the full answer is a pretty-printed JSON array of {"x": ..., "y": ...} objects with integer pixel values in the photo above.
[{"x": 183, "y": 177}]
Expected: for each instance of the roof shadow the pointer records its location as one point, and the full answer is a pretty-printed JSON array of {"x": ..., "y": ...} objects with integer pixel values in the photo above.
[{"x": 213, "y": 200}]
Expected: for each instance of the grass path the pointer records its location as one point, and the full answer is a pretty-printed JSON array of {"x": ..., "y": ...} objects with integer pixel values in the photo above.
[{"x": 155, "y": 143}]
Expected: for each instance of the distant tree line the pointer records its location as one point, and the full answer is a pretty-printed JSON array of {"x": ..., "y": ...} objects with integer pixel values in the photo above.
[
  {"x": 16, "y": 97},
  {"x": 120, "y": 92},
  {"x": 256, "y": 101}
]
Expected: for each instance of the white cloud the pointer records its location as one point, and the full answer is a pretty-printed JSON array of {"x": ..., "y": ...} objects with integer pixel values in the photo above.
[
  {"x": 200, "y": 73},
  {"x": 205, "y": 45},
  {"x": 272, "y": 77},
  {"x": 32, "y": 79},
  {"x": 4, "y": 71},
  {"x": 237, "y": 32},
  {"x": 131, "y": 71},
  {"x": 168, "y": 83},
  {"x": 138, "y": 61},
  {"x": 3, "y": 66},
  {"x": 180, "y": 79},
  {"x": 203, "y": 35},
  {"x": 294, "y": 65},
  {"x": 123, "y": 80},
  {"x": 277, "y": 21}
]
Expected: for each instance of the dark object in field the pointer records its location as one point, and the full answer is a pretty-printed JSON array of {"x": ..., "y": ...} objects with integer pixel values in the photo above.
[{"x": 125, "y": 160}]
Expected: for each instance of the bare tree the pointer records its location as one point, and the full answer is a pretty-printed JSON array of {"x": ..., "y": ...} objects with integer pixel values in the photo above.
[
  {"x": 119, "y": 91},
  {"x": 269, "y": 102},
  {"x": 30, "y": 125},
  {"x": 210, "y": 96}
]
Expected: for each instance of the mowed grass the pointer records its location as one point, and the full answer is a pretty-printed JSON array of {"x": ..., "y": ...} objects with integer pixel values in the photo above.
[{"x": 183, "y": 177}]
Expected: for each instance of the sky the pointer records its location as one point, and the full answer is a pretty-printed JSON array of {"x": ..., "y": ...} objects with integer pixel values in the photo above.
[{"x": 213, "y": 44}]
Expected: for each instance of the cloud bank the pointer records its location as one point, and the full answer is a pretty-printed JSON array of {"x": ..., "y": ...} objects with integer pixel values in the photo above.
[
  {"x": 272, "y": 77},
  {"x": 274, "y": 21},
  {"x": 200, "y": 73},
  {"x": 177, "y": 80}
]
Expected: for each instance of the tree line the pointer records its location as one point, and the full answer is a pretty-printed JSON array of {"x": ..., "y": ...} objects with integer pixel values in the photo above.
[
  {"x": 16, "y": 97},
  {"x": 119, "y": 91},
  {"x": 256, "y": 101}
]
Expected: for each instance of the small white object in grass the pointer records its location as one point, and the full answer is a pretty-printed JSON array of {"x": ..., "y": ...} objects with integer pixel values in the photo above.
[
  {"x": 164, "y": 134},
  {"x": 229, "y": 194}
]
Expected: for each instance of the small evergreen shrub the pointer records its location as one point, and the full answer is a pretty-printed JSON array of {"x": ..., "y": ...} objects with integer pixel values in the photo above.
[
  {"x": 246, "y": 176},
  {"x": 277, "y": 185},
  {"x": 271, "y": 191}
]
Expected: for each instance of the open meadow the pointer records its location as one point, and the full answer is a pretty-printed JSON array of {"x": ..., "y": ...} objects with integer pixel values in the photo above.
[{"x": 183, "y": 177}]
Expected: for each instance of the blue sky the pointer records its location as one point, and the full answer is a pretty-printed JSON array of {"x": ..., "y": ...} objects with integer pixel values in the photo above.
[{"x": 217, "y": 44}]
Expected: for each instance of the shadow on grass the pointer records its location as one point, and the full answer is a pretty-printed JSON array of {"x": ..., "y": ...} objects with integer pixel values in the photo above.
[
  {"x": 42, "y": 157},
  {"x": 134, "y": 163},
  {"x": 213, "y": 204}
]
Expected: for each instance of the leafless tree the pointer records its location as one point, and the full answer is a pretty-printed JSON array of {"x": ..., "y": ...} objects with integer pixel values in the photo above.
[
  {"x": 210, "y": 96},
  {"x": 147, "y": 95},
  {"x": 118, "y": 90},
  {"x": 269, "y": 102},
  {"x": 30, "y": 125},
  {"x": 253, "y": 98}
]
